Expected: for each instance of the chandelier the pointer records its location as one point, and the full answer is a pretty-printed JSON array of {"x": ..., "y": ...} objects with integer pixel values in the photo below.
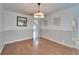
[{"x": 39, "y": 14}]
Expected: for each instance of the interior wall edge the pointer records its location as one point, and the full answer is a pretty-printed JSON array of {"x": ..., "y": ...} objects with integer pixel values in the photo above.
[
  {"x": 17, "y": 40},
  {"x": 1, "y": 48},
  {"x": 41, "y": 37},
  {"x": 76, "y": 6},
  {"x": 57, "y": 41}
]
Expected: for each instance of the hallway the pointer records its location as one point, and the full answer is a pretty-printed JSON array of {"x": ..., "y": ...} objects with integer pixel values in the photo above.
[{"x": 22, "y": 22}]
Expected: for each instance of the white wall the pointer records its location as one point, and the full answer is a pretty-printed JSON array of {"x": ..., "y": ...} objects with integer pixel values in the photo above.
[
  {"x": 78, "y": 27},
  {"x": 1, "y": 28},
  {"x": 60, "y": 33},
  {"x": 14, "y": 33}
]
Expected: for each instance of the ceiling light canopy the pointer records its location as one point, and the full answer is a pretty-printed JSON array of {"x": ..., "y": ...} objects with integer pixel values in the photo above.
[{"x": 39, "y": 14}]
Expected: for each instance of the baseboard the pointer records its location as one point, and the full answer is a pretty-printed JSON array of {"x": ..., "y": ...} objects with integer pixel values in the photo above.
[
  {"x": 76, "y": 44},
  {"x": 57, "y": 41},
  {"x": 17, "y": 40},
  {"x": 41, "y": 37},
  {"x": 1, "y": 48}
]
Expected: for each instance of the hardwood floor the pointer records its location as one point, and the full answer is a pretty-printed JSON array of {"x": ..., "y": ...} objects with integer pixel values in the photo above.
[{"x": 42, "y": 47}]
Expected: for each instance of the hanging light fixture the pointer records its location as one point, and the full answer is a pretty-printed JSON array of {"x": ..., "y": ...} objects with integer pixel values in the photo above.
[{"x": 39, "y": 14}]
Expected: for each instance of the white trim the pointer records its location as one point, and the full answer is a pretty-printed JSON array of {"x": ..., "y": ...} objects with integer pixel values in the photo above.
[
  {"x": 42, "y": 37},
  {"x": 76, "y": 45},
  {"x": 2, "y": 48},
  {"x": 57, "y": 41},
  {"x": 17, "y": 40},
  {"x": 56, "y": 29}
]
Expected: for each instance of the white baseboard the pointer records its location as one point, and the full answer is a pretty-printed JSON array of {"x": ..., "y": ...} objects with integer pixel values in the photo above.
[
  {"x": 1, "y": 48},
  {"x": 17, "y": 40},
  {"x": 42, "y": 37},
  {"x": 76, "y": 44},
  {"x": 57, "y": 41}
]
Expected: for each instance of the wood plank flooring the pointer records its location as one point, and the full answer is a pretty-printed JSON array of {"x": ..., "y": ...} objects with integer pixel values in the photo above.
[{"x": 42, "y": 47}]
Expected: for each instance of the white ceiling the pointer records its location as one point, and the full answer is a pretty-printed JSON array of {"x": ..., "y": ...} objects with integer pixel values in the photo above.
[{"x": 31, "y": 8}]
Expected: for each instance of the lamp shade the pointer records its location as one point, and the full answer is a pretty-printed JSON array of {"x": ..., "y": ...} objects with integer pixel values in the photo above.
[{"x": 39, "y": 15}]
